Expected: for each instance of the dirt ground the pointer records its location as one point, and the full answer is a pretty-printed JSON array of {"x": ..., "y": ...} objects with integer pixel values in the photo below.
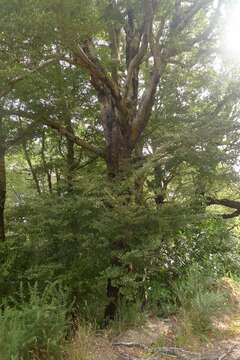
[
  {"x": 146, "y": 342},
  {"x": 156, "y": 339}
]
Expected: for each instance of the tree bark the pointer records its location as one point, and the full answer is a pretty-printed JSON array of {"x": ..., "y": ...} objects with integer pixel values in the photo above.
[
  {"x": 117, "y": 137},
  {"x": 70, "y": 156},
  {"x": 2, "y": 181},
  {"x": 45, "y": 165},
  {"x": 232, "y": 204}
]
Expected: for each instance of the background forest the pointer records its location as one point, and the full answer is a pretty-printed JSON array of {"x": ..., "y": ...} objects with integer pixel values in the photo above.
[{"x": 119, "y": 164}]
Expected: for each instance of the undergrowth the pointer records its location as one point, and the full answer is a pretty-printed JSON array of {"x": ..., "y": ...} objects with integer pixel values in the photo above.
[
  {"x": 82, "y": 346},
  {"x": 34, "y": 328},
  {"x": 199, "y": 300}
]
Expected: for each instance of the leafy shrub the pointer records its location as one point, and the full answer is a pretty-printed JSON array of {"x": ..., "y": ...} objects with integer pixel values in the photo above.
[
  {"x": 129, "y": 315},
  {"x": 73, "y": 239},
  {"x": 161, "y": 299},
  {"x": 34, "y": 328},
  {"x": 91, "y": 235}
]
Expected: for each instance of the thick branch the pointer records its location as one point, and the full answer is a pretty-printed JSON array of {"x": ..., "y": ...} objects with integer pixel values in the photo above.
[
  {"x": 137, "y": 59},
  {"x": 144, "y": 112},
  {"x": 99, "y": 75},
  {"x": 232, "y": 204},
  {"x": 38, "y": 120},
  {"x": 77, "y": 140},
  {"x": 231, "y": 215}
]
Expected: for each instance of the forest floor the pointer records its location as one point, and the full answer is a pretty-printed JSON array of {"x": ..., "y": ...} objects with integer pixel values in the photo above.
[
  {"x": 156, "y": 340},
  {"x": 161, "y": 339}
]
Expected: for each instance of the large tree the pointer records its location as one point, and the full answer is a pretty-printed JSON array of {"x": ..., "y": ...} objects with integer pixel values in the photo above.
[
  {"x": 124, "y": 47},
  {"x": 126, "y": 81}
]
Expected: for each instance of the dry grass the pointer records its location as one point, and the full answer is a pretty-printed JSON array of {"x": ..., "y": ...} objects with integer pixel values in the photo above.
[
  {"x": 89, "y": 345},
  {"x": 224, "y": 325},
  {"x": 82, "y": 346},
  {"x": 231, "y": 288}
]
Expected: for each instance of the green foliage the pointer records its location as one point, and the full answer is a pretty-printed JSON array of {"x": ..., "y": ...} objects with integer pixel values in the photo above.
[
  {"x": 128, "y": 315},
  {"x": 146, "y": 229},
  {"x": 199, "y": 301},
  {"x": 71, "y": 238},
  {"x": 35, "y": 327},
  {"x": 61, "y": 242},
  {"x": 205, "y": 243}
]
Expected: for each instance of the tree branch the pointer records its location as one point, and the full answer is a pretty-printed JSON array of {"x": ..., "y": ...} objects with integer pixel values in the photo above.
[
  {"x": 182, "y": 22},
  {"x": 38, "y": 120},
  {"x": 28, "y": 72},
  {"x": 89, "y": 62},
  {"x": 24, "y": 134},
  {"x": 203, "y": 36},
  {"x": 77, "y": 140},
  {"x": 147, "y": 101},
  {"x": 142, "y": 49},
  {"x": 232, "y": 204}
]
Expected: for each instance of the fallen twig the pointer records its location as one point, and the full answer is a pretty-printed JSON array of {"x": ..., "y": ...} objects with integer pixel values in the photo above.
[
  {"x": 125, "y": 356},
  {"x": 223, "y": 356},
  {"x": 131, "y": 344},
  {"x": 175, "y": 352}
]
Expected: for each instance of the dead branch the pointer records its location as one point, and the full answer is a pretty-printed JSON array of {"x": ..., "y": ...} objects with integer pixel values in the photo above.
[
  {"x": 131, "y": 344},
  {"x": 175, "y": 352}
]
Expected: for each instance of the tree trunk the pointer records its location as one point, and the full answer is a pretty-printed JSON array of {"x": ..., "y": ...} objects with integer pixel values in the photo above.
[
  {"x": 117, "y": 133},
  {"x": 58, "y": 181},
  {"x": 70, "y": 156},
  {"x": 2, "y": 181},
  {"x": 112, "y": 306},
  {"x": 28, "y": 159},
  {"x": 31, "y": 168},
  {"x": 45, "y": 165}
]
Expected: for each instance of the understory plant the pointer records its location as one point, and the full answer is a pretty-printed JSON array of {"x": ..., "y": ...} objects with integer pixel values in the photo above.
[
  {"x": 34, "y": 328},
  {"x": 199, "y": 301}
]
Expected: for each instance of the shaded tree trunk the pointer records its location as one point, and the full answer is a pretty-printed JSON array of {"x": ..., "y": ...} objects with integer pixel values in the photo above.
[
  {"x": 2, "y": 181},
  {"x": 117, "y": 137},
  {"x": 117, "y": 133},
  {"x": 70, "y": 156},
  {"x": 45, "y": 165},
  {"x": 31, "y": 168},
  {"x": 112, "y": 306},
  {"x": 58, "y": 181},
  {"x": 122, "y": 127},
  {"x": 28, "y": 159}
]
